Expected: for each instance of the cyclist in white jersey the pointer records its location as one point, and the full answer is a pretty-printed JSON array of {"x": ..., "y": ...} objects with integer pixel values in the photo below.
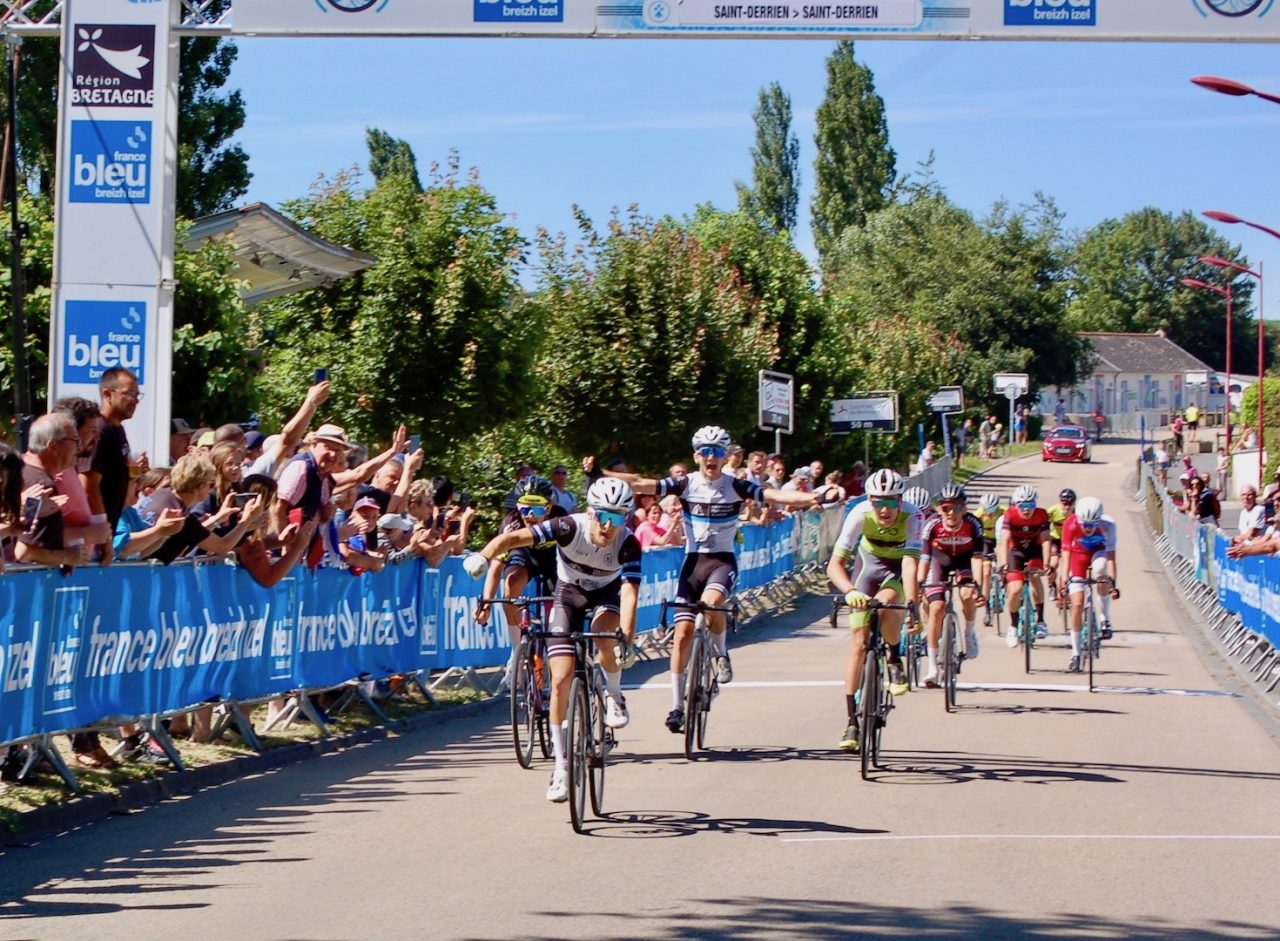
[
  {"x": 711, "y": 502},
  {"x": 597, "y": 567}
]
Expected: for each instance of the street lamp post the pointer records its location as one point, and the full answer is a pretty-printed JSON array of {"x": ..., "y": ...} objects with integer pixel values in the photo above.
[
  {"x": 1225, "y": 292},
  {"x": 1225, "y": 86},
  {"x": 1262, "y": 347}
]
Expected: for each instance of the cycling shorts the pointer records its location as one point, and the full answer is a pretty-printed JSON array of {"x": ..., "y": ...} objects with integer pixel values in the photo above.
[
  {"x": 1083, "y": 564},
  {"x": 1055, "y": 546},
  {"x": 539, "y": 563},
  {"x": 942, "y": 567},
  {"x": 702, "y": 571},
  {"x": 875, "y": 573},
  {"x": 988, "y": 547},
  {"x": 1022, "y": 561},
  {"x": 569, "y": 610}
]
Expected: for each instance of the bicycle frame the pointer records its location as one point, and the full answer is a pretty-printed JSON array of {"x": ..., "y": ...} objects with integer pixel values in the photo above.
[
  {"x": 701, "y": 686},
  {"x": 953, "y": 650},
  {"x": 530, "y": 677},
  {"x": 588, "y": 740}
]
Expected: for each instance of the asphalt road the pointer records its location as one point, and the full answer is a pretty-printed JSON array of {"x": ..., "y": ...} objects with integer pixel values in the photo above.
[{"x": 1146, "y": 810}]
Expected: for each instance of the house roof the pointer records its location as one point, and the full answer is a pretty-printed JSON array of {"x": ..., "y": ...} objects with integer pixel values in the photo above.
[
  {"x": 274, "y": 255},
  {"x": 1142, "y": 353}
]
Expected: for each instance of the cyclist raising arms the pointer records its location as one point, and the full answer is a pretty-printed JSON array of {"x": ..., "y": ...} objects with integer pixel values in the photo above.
[
  {"x": 1022, "y": 549},
  {"x": 1058, "y": 514},
  {"x": 598, "y": 567},
  {"x": 952, "y": 543},
  {"x": 989, "y": 513},
  {"x": 882, "y": 536},
  {"x": 711, "y": 502},
  {"x": 535, "y": 502},
  {"x": 1089, "y": 548}
]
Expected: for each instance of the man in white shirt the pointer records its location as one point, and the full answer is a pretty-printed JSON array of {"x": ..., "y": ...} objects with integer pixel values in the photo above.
[
  {"x": 927, "y": 456},
  {"x": 1252, "y": 516}
]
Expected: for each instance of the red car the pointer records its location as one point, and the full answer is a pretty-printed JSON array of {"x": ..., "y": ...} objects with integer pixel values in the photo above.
[{"x": 1066, "y": 443}]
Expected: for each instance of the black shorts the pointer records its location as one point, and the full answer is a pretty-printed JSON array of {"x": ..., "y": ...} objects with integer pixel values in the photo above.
[
  {"x": 703, "y": 570},
  {"x": 1055, "y": 546},
  {"x": 569, "y": 612},
  {"x": 989, "y": 547},
  {"x": 539, "y": 563},
  {"x": 1192, "y": 425},
  {"x": 942, "y": 567},
  {"x": 1023, "y": 560}
]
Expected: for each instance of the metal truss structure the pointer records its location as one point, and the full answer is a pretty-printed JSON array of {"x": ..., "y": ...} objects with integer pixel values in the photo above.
[{"x": 44, "y": 17}]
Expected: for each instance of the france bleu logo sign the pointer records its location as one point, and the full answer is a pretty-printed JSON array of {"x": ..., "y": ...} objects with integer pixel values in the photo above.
[
  {"x": 101, "y": 335},
  {"x": 1050, "y": 12},
  {"x": 519, "y": 11},
  {"x": 110, "y": 162}
]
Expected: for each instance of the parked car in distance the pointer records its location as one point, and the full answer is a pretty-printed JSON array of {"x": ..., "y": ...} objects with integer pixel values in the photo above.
[{"x": 1066, "y": 443}]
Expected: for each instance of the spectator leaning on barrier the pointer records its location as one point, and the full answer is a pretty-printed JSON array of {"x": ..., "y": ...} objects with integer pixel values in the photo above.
[
  {"x": 80, "y": 522},
  {"x": 107, "y": 478},
  {"x": 278, "y": 449},
  {"x": 1252, "y": 520},
  {"x": 306, "y": 486},
  {"x": 193, "y": 479},
  {"x": 136, "y": 537},
  {"x": 51, "y": 449},
  {"x": 831, "y": 491},
  {"x": 1201, "y": 502},
  {"x": 756, "y": 468},
  {"x": 179, "y": 438},
  {"x": 357, "y": 549}
]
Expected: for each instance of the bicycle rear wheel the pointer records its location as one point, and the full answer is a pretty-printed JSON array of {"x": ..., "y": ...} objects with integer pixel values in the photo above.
[
  {"x": 523, "y": 712},
  {"x": 1089, "y": 639},
  {"x": 709, "y": 687},
  {"x": 1028, "y": 626},
  {"x": 694, "y": 693},
  {"x": 578, "y": 743},
  {"x": 869, "y": 709},
  {"x": 950, "y": 661},
  {"x": 598, "y": 749}
]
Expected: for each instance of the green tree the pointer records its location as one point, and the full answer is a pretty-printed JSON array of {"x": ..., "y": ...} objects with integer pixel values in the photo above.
[
  {"x": 432, "y": 334},
  {"x": 389, "y": 156},
  {"x": 855, "y": 168},
  {"x": 1125, "y": 276},
  {"x": 649, "y": 334},
  {"x": 774, "y": 194}
]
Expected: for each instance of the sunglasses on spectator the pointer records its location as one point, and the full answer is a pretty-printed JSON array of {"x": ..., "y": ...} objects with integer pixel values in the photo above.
[
  {"x": 610, "y": 518},
  {"x": 711, "y": 450},
  {"x": 533, "y": 509},
  {"x": 888, "y": 503}
]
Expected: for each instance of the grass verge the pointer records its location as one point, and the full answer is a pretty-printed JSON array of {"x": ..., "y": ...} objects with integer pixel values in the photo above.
[{"x": 973, "y": 467}]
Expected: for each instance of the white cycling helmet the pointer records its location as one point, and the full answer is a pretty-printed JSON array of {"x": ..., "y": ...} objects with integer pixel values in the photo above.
[
  {"x": 1089, "y": 510},
  {"x": 990, "y": 502},
  {"x": 1024, "y": 494},
  {"x": 711, "y": 436},
  {"x": 885, "y": 483},
  {"x": 952, "y": 493},
  {"x": 611, "y": 494},
  {"x": 917, "y": 497}
]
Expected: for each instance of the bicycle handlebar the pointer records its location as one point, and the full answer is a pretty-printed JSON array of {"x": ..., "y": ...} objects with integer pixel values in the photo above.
[
  {"x": 702, "y": 606},
  {"x": 520, "y": 602}
]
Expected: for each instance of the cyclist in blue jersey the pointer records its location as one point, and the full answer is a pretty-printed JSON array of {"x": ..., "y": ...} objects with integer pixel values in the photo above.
[{"x": 710, "y": 502}]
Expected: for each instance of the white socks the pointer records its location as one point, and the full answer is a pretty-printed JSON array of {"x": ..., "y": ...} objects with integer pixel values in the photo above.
[
  {"x": 1075, "y": 643},
  {"x": 721, "y": 643},
  {"x": 932, "y": 653},
  {"x": 557, "y": 744},
  {"x": 1106, "y": 606},
  {"x": 613, "y": 682},
  {"x": 677, "y": 690}
]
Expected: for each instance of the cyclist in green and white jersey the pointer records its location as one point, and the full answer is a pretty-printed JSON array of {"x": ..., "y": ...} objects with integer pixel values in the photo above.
[{"x": 882, "y": 536}]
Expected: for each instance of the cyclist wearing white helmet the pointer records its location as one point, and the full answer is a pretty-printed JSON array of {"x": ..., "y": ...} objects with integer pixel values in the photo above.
[
  {"x": 989, "y": 513},
  {"x": 920, "y": 499},
  {"x": 597, "y": 567},
  {"x": 711, "y": 502},
  {"x": 881, "y": 536},
  {"x": 1058, "y": 514},
  {"x": 1088, "y": 550},
  {"x": 1022, "y": 551}
]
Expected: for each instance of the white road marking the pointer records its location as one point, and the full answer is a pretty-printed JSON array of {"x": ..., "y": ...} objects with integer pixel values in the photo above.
[
  {"x": 664, "y": 683},
  {"x": 1030, "y": 836}
]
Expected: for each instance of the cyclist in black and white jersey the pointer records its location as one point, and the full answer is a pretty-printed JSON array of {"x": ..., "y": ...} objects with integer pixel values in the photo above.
[
  {"x": 711, "y": 502},
  {"x": 597, "y": 567}
]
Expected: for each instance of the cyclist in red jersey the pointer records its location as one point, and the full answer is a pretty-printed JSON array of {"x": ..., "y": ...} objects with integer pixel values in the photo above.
[
  {"x": 952, "y": 544},
  {"x": 1088, "y": 550},
  {"x": 1022, "y": 550}
]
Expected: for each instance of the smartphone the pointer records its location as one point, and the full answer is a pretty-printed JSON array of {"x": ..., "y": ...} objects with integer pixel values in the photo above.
[
  {"x": 242, "y": 499},
  {"x": 464, "y": 500},
  {"x": 30, "y": 509},
  {"x": 415, "y": 442},
  {"x": 455, "y": 526},
  {"x": 322, "y": 375}
]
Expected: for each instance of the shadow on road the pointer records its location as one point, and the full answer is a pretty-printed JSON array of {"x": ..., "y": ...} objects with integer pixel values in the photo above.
[
  {"x": 969, "y": 767},
  {"x": 661, "y": 824},
  {"x": 819, "y": 920}
]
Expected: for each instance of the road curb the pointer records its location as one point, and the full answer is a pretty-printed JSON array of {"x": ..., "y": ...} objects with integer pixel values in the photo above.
[{"x": 51, "y": 819}]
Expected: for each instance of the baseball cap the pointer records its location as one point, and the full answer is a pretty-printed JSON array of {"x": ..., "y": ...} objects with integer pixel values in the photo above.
[
  {"x": 254, "y": 439},
  {"x": 180, "y": 427},
  {"x": 366, "y": 502},
  {"x": 206, "y": 439},
  {"x": 394, "y": 521},
  {"x": 803, "y": 473}
]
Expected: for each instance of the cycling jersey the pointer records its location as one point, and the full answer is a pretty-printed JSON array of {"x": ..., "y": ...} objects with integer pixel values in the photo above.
[
  {"x": 539, "y": 559},
  {"x": 581, "y": 562},
  {"x": 1025, "y": 529},
  {"x": 862, "y": 533},
  {"x": 989, "y": 521},
  {"x": 1057, "y": 516},
  {"x": 947, "y": 551},
  {"x": 711, "y": 508},
  {"x": 1082, "y": 548}
]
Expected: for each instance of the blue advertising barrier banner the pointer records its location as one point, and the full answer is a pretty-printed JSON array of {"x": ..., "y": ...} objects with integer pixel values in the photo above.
[
  {"x": 129, "y": 640},
  {"x": 1250, "y": 589}
]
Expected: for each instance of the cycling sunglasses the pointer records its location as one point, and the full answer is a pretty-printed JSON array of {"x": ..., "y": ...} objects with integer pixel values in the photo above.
[
  {"x": 886, "y": 503},
  {"x": 711, "y": 450},
  {"x": 1090, "y": 527},
  {"x": 533, "y": 509},
  {"x": 1027, "y": 507},
  {"x": 610, "y": 518},
  {"x": 950, "y": 507}
]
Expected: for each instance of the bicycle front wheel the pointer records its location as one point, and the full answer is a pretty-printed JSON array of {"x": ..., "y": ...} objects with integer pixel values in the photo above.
[
  {"x": 599, "y": 749},
  {"x": 709, "y": 687},
  {"x": 1089, "y": 639},
  {"x": 870, "y": 712},
  {"x": 950, "y": 661},
  {"x": 694, "y": 693},
  {"x": 523, "y": 712},
  {"x": 578, "y": 743},
  {"x": 1028, "y": 626}
]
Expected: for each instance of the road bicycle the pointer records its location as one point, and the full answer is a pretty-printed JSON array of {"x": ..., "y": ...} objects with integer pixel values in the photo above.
[
  {"x": 953, "y": 647},
  {"x": 588, "y": 740},
  {"x": 996, "y": 602},
  {"x": 1090, "y": 625},
  {"x": 1026, "y": 630},
  {"x": 530, "y": 680},
  {"x": 701, "y": 685},
  {"x": 874, "y": 701}
]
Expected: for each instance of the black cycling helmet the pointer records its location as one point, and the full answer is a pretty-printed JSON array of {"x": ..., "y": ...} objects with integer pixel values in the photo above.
[
  {"x": 1067, "y": 495},
  {"x": 952, "y": 493},
  {"x": 534, "y": 486}
]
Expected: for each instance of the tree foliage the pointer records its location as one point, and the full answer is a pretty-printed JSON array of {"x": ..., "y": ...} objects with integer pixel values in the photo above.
[
  {"x": 1125, "y": 276},
  {"x": 774, "y": 194},
  {"x": 649, "y": 334},
  {"x": 431, "y": 334},
  {"x": 391, "y": 156},
  {"x": 855, "y": 168}
]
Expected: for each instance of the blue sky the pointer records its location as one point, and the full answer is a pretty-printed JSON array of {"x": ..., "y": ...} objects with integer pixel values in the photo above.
[{"x": 1103, "y": 128}]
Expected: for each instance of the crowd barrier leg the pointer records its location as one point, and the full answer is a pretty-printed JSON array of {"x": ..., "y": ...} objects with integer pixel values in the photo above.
[
  {"x": 417, "y": 679},
  {"x": 155, "y": 728},
  {"x": 355, "y": 691},
  {"x": 43, "y": 747}
]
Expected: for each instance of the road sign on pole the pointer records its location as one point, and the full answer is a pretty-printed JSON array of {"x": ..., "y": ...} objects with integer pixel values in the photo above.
[
  {"x": 777, "y": 408},
  {"x": 866, "y": 411},
  {"x": 1020, "y": 380},
  {"x": 949, "y": 400}
]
